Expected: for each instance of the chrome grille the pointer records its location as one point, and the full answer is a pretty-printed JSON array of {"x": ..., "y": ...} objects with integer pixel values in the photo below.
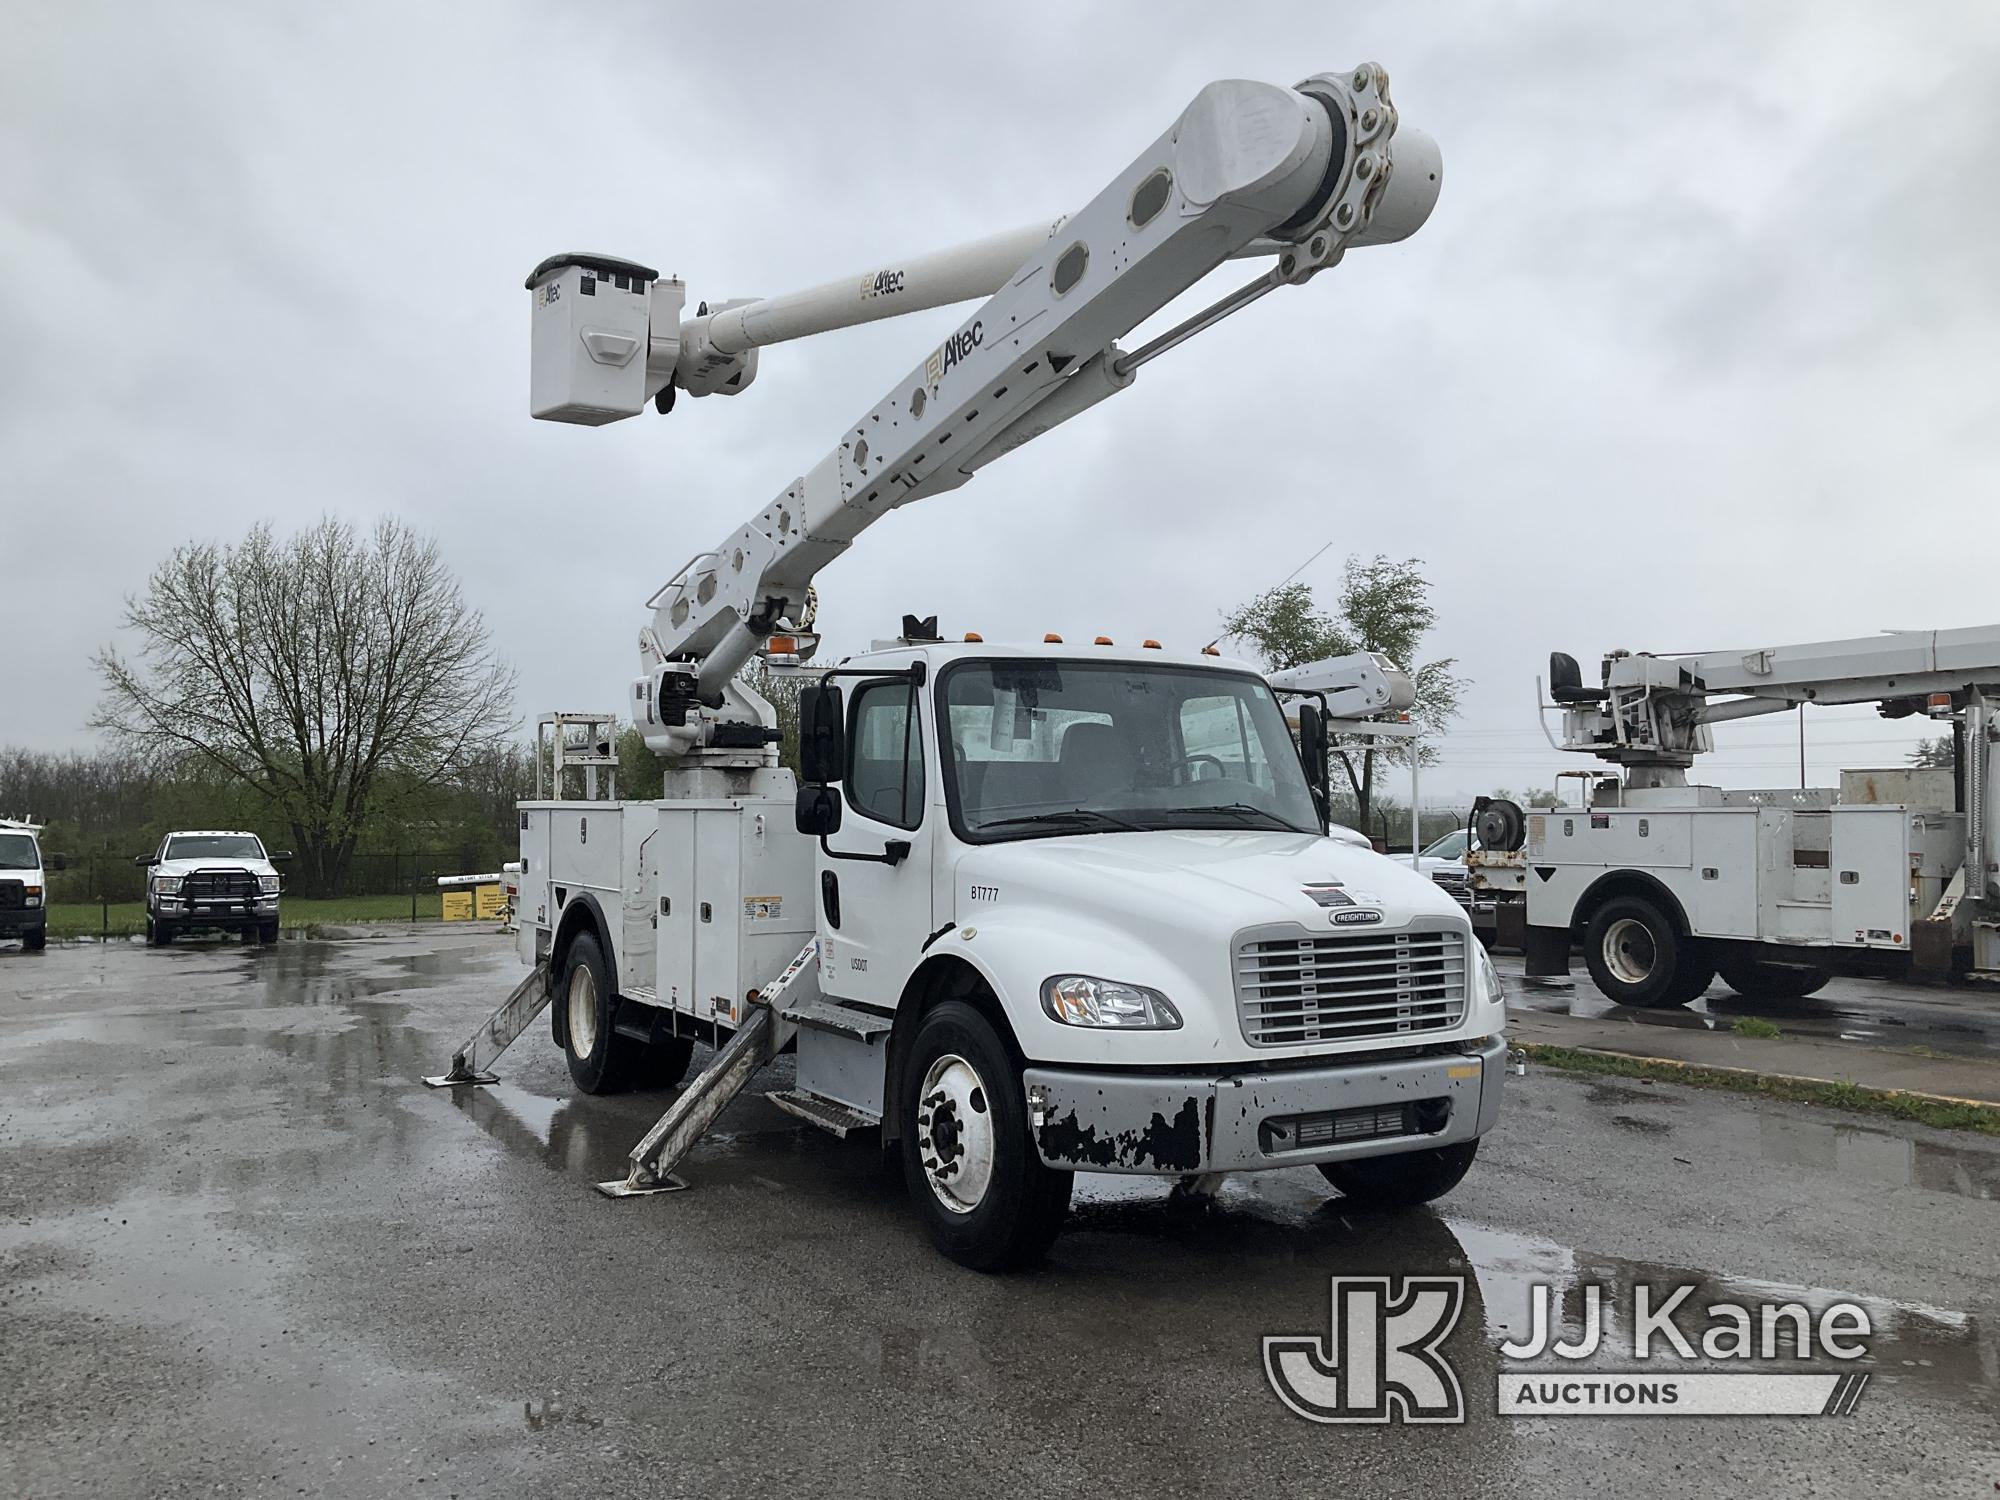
[{"x": 1293, "y": 986}]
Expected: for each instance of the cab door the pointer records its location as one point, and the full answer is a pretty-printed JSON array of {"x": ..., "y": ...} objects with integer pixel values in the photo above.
[{"x": 875, "y": 914}]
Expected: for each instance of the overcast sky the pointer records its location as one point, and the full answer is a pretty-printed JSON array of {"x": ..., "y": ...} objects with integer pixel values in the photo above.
[{"x": 1697, "y": 351}]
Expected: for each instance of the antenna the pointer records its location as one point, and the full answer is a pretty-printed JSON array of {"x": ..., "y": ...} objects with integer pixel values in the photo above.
[{"x": 1280, "y": 584}]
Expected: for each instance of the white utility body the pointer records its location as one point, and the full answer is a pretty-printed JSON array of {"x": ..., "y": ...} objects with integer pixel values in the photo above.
[
  {"x": 1667, "y": 883},
  {"x": 1036, "y": 908}
]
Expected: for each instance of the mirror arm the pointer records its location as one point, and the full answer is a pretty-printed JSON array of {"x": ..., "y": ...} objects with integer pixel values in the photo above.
[{"x": 894, "y": 852}]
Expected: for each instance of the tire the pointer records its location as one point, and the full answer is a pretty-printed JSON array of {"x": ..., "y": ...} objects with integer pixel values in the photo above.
[
  {"x": 1757, "y": 979},
  {"x": 1637, "y": 956},
  {"x": 662, "y": 1065},
  {"x": 974, "y": 1177},
  {"x": 600, "y": 1060},
  {"x": 267, "y": 933},
  {"x": 36, "y": 940},
  {"x": 1403, "y": 1180},
  {"x": 158, "y": 933}
]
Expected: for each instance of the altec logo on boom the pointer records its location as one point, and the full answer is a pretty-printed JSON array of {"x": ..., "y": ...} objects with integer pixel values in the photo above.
[
  {"x": 952, "y": 350},
  {"x": 1383, "y": 1359}
]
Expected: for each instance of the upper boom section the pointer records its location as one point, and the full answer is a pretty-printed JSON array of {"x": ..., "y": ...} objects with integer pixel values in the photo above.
[
  {"x": 1655, "y": 711},
  {"x": 1305, "y": 173}
]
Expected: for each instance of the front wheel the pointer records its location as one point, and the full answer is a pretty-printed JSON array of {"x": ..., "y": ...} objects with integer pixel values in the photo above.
[
  {"x": 1638, "y": 957},
  {"x": 158, "y": 933},
  {"x": 36, "y": 940},
  {"x": 267, "y": 932},
  {"x": 1758, "y": 980},
  {"x": 984, "y": 1194},
  {"x": 1403, "y": 1180}
]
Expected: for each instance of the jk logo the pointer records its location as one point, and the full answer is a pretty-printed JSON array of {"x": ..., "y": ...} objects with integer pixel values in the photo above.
[{"x": 1382, "y": 1362}]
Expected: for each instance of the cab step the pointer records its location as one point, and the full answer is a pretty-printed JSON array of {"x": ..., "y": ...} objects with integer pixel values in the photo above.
[
  {"x": 816, "y": 1013},
  {"x": 836, "y": 1119}
]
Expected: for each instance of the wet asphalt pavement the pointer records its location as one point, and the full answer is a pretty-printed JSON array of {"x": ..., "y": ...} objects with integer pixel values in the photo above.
[
  {"x": 243, "y": 1252},
  {"x": 1959, "y": 1021}
]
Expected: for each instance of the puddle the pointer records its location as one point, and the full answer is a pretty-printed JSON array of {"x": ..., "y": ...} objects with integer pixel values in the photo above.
[{"x": 1857, "y": 1151}]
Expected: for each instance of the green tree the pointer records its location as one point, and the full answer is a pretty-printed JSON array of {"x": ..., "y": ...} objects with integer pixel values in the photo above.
[
  {"x": 1385, "y": 607},
  {"x": 1933, "y": 752}
]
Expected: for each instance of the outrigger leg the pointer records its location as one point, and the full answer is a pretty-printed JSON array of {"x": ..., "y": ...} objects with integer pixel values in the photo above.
[{"x": 496, "y": 1034}]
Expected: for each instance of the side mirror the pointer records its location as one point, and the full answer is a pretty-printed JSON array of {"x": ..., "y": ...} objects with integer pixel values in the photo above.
[
  {"x": 822, "y": 736},
  {"x": 1312, "y": 750},
  {"x": 55, "y": 861},
  {"x": 818, "y": 810},
  {"x": 282, "y": 857},
  {"x": 142, "y": 859}
]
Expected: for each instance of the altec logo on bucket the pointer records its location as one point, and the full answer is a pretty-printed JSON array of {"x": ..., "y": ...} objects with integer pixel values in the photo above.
[{"x": 1383, "y": 1358}]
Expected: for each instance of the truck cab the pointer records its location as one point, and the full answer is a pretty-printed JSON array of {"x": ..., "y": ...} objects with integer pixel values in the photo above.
[
  {"x": 24, "y": 886},
  {"x": 1070, "y": 909}
]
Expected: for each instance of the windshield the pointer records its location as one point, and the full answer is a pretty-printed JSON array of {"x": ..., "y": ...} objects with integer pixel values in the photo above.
[
  {"x": 215, "y": 846},
  {"x": 1451, "y": 846},
  {"x": 1043, "y": 747},
  {"x": 17, "y": 852}
]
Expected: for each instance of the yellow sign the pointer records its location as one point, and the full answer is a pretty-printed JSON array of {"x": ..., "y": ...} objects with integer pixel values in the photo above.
[
  {"x": 490, "y": 901},
  {"x": 457, "y": 901}
]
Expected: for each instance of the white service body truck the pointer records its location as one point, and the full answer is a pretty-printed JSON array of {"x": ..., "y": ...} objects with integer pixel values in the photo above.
[
  {"x": 1665, "y": 884},
  {"x": 1036, "y": 909},
  {"x": 24, "y": 884}
]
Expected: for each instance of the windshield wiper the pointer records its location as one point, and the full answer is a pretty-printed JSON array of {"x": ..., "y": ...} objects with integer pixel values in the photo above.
[
  {"x": 1064, "y": 815},
  {"x": 1240, "y": 810}
]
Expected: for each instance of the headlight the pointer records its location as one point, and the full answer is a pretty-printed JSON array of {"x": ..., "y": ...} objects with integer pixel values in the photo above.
[
  {"x": 165, "y": 885},
  {"x": 268, "y": 884},
  {"x": 1079, "y": 1000},
  {"x": 1490, "y": 976},
  {"x": 32, "y": 895}
]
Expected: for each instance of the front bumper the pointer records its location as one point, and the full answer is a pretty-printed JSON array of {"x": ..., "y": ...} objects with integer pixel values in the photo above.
[
  {"x": 1185, "y": 1124},
  {"x": 16, "y": 921},
  {"x": 216, "y": 912}
]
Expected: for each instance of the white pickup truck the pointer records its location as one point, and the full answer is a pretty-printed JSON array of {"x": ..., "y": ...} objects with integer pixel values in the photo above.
[{"x": 218, "y": 880}]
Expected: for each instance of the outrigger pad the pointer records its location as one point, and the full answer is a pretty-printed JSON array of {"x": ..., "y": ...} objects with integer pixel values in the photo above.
[
  {"x": 623, "y": 1188},
  {"x": 452, "y": 1080}
]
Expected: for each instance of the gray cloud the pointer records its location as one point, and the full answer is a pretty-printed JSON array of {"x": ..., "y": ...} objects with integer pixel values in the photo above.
[{"x": 1696, "y": 350}]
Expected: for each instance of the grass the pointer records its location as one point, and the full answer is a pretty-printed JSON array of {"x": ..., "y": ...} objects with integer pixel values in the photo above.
[
  {"x": 1944, "y": 1114},
  {"x": 126, "y": 918},
  {"x": 1755, "y": 1026}
]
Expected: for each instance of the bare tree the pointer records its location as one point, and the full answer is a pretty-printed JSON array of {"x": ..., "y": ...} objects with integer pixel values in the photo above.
[{"x": 312, "y": 669}]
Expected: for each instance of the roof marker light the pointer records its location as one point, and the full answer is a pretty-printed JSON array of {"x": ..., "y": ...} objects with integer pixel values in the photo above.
[
  {"x": 1104, "y": 640},
  {"x": 1052, "y": 639}
]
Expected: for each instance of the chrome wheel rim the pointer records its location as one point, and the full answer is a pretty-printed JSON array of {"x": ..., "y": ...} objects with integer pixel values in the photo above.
[
  {"x": 955, "y": 1134},
  {"x": 1629, "y": 952},
  {"x": 582, "y": 1001}
]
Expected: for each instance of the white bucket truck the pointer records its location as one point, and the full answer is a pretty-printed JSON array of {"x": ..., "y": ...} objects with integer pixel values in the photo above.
[{"x": 1037, "y": 908}]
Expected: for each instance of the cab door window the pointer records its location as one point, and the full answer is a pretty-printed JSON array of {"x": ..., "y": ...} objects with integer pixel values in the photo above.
[{"x": 885, "y": 773}]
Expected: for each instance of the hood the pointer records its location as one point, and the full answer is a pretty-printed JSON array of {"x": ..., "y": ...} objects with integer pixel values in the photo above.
[
  {"x": 1219, "y": 882},
  {"x": 189, "y": 866}
]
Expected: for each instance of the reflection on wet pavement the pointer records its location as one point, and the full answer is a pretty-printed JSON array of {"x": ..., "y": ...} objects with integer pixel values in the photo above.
[{"x": 1877, "y": 1013}]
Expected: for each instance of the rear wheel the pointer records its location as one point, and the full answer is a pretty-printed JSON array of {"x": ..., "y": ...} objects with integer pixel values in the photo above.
[
  {"x": 1403, "y": 1180},
  {"x": 664, "y": 1064},
  {"x": 600, "y": 1060},
  {"x": 974, "y": 1177},
  {"x": 1638, "y": 957},
  {"x": 1760, "y": 980}
]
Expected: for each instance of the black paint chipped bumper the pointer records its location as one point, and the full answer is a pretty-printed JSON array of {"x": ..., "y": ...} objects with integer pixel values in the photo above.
[{"x": 1189, "y": 1123}]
